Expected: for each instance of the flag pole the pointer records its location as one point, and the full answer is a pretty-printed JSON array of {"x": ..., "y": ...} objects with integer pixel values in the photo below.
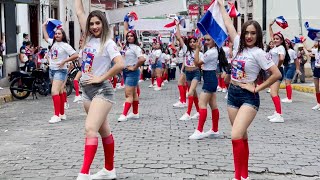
[{"x": 300, "y": 18}]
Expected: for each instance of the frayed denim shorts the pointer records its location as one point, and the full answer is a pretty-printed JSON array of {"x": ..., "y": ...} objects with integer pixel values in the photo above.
[
  {"x": 59, "y": 74},
  {"x": 289, "y": 71},
  {"x": 102, "y": 90},
  {"x": 238, "y": 97},
  {"x": 210, "y": 81},
  {"x": 316, "y": 72},
  {"x": 131, "y": 78},
  {"x": 192, "y": 75}
]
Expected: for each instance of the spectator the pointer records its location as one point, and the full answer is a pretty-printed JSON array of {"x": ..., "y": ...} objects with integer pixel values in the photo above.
[
  {"x": 23, "y": 58},
  {"x": 29, "y": 64},
  {"x": 25, "y": 37},
  {"x": 303, "y": 58}
]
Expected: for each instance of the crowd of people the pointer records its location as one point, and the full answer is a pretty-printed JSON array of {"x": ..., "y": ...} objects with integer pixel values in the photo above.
[{"x": 241, "y": 68}]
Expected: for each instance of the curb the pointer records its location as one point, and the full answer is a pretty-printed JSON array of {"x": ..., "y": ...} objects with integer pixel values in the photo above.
[
  {"x": 5, "y": 98},
  {"x": 305, "y": 89}
]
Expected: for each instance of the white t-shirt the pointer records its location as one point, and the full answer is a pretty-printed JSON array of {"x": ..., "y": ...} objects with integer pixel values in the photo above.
[
  {"x": 157, "y": 54},
  {"x": 94, "y": 62},
  {"x": 293, "y": 55},
  {"x": 317, "y": 57},
  {"x": 275, "y": 52},
  {"x": 59, "y": 52},
  {"x": 210, "y": 59},
  {"x": 181, "y": 56},
  {"x": 173, "y": 63},
  {"x": 247, "y": 64},
  {"x": 131, "y": 54},
  {"x": 189, "y": 58},
  {"x": 226, "y": 50},
  {"x": 147, "y": 59}
]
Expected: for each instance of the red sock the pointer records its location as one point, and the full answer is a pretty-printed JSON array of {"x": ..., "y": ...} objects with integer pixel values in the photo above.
[
  {"x": 65, "y": 97},
  {"x": 238, "y": 149},
  {"x": 159, "y": 81},
  {"x": 318, "y": 97},
  {"x": 223, "y": 85},
  {"x": 219, "y": 81},
  {"x": 141, "y": 76},
  {"x": 90, "y": 149},
  {"x": 126, "y": 108},
  {"x": 202, "y": 119},
  {"x": 62, "y": 104},
  {"x": 182, "y": 93},
  {"x": 190, "y": 102},
  {"x": 76, "y": 86},
  {"x": 56, "y": 104},
  {"x": 152, "y": 80},
  {"x": 244, "y": 169},
  {"x": 185, "y": 88},
  {"x": 135, "y": 107},
  {"x": 196, "y": 103},
  {"x": 122, "y": 81},
  {"x": 215, "y": 120},
  {"x": 277, "y": 104},
  {"x": 138, "y": 91},
  {"x": 108, "y": 148},
  {"x": 114, "y": 82},
  {"x": 289, "y": 92}
]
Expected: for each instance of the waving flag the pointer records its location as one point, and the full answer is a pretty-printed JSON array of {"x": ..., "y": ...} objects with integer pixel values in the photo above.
[
  {"x": 197, "y": 33},
  {"x": 181, "y": 21},
  {"x": 282, "y": 22},
  {"x": 212, "y": 23},
  {"x": 130, "y": 18},
  {"x": 232, "y": 11},
  {"x": 52, "y": 26},
  {"x": 313, "y": 33},
  {"x": 296, "y": 40}
]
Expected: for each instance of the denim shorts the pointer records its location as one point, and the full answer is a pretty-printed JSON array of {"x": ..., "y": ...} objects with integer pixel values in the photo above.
[
  {"x": 289, "y": 71},
  {"x": 131, "y": 78},
  {"x": 282, "y": 74},
  {"x": 316, "y": 72},
  {"x": 153, "y": 66},
  {"x": 159, "y": 64},
  {"x": 102, "y": 90},
  {"x": 210, "y": 81},
  {"x": 193, "y": 75},
  {"x": 59, "y": 74},
  {"x": 238, "y": 97}
]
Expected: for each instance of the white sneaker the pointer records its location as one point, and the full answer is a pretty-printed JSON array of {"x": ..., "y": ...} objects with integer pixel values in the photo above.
[
  {"x": 185, "y": 117},
  {"x": 226, "y": 97},
  {"x": 286, "y": 100},
  {"x": 77, "y": 98},
  {"x": 162, "y": 84},
  {"x": 219, "y": 89},
  {"x": 195, "y": 116},
  {"x": 166, "y": 81},
  {"x": 63, "y": 117},
  {"x": 122, "y": 118},
  {"x": 84, "y": 177},
  {"x": 224, "y": 90},
  {"x": 197, "y": 135},
  {"x": 66, "y": 105},
  {"x": 120, "y": 87},
  {"x": 277, "y": 119},
  {"x": 133, "y": 116},
  {"x": 105, "y": 174},
  {"x": 179, "y": 104},
  {"x": 273, "y": 115},
  {"x": 245, "y": 178},
  {"x": 211, "y": 134},
  {"x": 54, "y": 119},
  {"x": 151, "y": 86},
  {"x": 316, "y": 107},
  {"x": 140, "y": 80},
  {"x": 157, "y": 88},
  {"x": 269, "y": 90}
]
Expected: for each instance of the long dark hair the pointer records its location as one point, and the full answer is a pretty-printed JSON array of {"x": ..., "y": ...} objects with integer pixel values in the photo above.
[
  {"x": 135, "y": 39},
  {"x": 259, "y": 41},
  {"x": 287, "y": 57},
  {"x": 223, "y": 62},
  {"x": 64, "y": 36},
  {"x": 188, "y": 43}
]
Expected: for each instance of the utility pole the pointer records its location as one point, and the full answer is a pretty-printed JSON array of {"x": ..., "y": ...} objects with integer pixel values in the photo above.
[
  {"x": 300, "y": 17},
  {"x": 264, "y": 19}
]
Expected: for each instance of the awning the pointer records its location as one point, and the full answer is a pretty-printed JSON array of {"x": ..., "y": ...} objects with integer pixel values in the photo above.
[{"x": 21, "y": 1}]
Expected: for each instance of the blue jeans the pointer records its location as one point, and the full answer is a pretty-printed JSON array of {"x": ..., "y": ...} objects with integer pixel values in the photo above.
[
  {"x": 210, "y": 81},
  {"x": 238, "y": 97},
  {"x": 193, "y": 75},
  {"x": 289, "y": 71},
  {"x": 131, "y": 78},
  {"x": 60, "y": 74}
]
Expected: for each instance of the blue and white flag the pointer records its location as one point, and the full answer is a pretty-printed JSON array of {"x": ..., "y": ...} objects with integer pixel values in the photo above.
[
  {"x": 313, "y": 33},
  {"x": 52, "y": 26},
  {"x": 212, "y": 23}
]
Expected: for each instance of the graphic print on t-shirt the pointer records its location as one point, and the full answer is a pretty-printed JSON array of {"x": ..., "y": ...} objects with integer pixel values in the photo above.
[
  {"x": 238, "y": 69},
  {"x": 87, "y": 63},
  {"x": 54, "y": 54},
  {"x": 189, "y": 61}
]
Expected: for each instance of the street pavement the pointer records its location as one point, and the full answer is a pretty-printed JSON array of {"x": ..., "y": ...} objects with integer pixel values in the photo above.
[{"x": 157, "y": 145}]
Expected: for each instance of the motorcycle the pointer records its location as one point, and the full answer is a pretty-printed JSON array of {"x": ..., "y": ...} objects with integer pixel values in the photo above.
[{"x": 23, "y": 83}]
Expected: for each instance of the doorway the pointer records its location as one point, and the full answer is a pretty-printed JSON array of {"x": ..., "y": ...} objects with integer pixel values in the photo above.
[{"x": 34, "y": 24}]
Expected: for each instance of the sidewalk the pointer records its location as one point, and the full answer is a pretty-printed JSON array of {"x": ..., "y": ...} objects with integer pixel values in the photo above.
[
  {"x": 307, "y": 87},
  {"x": 5, "y": 95}
]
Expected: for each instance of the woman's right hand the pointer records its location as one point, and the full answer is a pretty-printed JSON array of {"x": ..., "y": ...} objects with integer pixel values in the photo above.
[{"x": 272, "y": 22}]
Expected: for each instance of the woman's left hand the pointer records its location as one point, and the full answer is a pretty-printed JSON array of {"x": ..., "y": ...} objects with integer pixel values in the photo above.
[
  {"x": 93, "y": 79},
  {"x": 248, "y": 86}
]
